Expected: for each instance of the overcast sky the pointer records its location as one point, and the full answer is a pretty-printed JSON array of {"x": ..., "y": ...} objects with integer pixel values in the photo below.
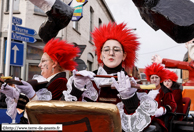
[{"x": 151, "y": 42}]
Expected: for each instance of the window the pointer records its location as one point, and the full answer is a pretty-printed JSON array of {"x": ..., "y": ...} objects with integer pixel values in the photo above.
[
  {"x": 16, "y": 4},
  {"x": 35, "y": 50},
  {"x": 15, "y": 71},
  {"x": 89, "y": 65},
  {"x": 33, "y": 56},
  {"x": 75, "y": 25},
  {"x": 38, "y": 10},
  {"x": 90, "y": 60},
  {"x": 91, "y": 22},
  {"x": 99, "y": 22},
  {"x": 33, "y": 69},
  {"x": 143, "y": 76}
]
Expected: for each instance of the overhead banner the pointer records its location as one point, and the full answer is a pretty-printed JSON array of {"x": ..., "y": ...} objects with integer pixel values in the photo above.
[{"x": 78, "y": 12}]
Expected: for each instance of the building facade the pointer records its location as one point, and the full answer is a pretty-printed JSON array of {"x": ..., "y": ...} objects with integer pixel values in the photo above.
[{"x": 95, "y": 13}]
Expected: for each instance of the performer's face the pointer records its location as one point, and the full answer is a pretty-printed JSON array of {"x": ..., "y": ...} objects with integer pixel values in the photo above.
[
  {"x": 190, "y": 47},
  {"x": 168, "y": 83},
  {"x": 112, "y": 53},
  {"x": 155, "y": 79},
  {"x": 46, "y": 66}
]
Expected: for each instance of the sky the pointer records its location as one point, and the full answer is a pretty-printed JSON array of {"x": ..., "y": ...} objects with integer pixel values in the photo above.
[{"x": 151, "y": 42}]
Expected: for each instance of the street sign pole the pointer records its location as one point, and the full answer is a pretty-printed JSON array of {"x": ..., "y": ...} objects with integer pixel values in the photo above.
[
  {"x": 23, "y": 68},
  {"x": 7, "y": 65}
]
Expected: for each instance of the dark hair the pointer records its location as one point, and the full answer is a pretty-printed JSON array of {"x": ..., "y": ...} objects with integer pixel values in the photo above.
[{"x": 175, "y": 85}]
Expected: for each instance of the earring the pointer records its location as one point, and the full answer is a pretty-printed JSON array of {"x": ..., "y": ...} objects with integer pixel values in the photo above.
[{"x": 53, "y": 69}]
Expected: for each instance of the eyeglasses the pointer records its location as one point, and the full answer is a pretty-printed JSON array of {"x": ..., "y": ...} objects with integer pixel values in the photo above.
[
  {"x": 42, "y": 61},
  {"x": 115, "y": 50}
]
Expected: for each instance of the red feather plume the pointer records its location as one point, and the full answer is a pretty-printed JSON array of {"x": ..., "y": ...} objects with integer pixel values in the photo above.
[
  {"x": 172, "y": 76},
  {"x": 156, "y": 69},
  {"x": 62, "y": 52}
]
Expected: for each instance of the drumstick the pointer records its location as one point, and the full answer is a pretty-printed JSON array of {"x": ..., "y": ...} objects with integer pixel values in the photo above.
[
  {"x": 8, "y": 77},
  {"x": 138, "y": 86},
  {"x": 148, "y": 87},
  {"x": 103, "y": 76}
]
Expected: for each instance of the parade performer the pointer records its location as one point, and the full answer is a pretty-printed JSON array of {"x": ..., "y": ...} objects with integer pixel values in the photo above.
[
  {"x": 156, "y": 74},
  {"x": 12, "y": 94},
  {"x": 116, "y": 48},
  {"x": 57, "y": 57},
  {"x": 171, "y": 83},
  {"x": 59, "y": 15}
]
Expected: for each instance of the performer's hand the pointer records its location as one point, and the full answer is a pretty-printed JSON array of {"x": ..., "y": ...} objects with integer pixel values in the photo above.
[
  {"x": 10, "y": 91},
  {"x": 160, "y": 111},
  {"x": 133, "y": 82},
  {"x": 27, "y": 89},
  {"x": 156, "y": 59},
  {"x": 153, "y": 93},
  {"x": 81, "y": 81},
  {"x": 124, "y": 85}
]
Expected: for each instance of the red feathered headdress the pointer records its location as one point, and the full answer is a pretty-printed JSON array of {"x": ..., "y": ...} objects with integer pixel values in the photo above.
[
  {"x": 156, "y": 69},
  {"x": 62, "y": 52},
  {"x": 123, "y": 35},
  {"x": 172, "y": 76}
]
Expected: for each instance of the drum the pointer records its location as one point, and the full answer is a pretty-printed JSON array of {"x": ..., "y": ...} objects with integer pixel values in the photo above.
[{"x": 75, "y": 116}]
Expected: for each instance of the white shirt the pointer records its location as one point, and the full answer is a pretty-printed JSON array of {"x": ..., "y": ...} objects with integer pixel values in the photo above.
[{"x": 49, "y": 78}]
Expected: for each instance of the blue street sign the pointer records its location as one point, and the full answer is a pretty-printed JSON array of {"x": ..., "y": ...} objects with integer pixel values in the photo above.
[
  {"x": 17, "y": 20},
  {"x": 17, "y": 54},
  {"x": 24, "y": 30},
  {"x": 21, "y": 37}
]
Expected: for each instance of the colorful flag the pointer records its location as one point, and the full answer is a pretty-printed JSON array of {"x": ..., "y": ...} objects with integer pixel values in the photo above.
[{"x": 78, "y": 12}]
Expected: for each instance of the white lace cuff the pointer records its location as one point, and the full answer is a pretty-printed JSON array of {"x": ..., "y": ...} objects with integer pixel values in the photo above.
[
  {"x": 141, "y": 118},
  {"x": 11, "y": 108},
  {"x": 69, "y": 97},
  {"x": 44, "y": 94}
]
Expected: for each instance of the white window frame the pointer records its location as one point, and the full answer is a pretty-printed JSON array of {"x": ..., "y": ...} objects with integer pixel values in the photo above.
[{"x": 16, "y": 5}]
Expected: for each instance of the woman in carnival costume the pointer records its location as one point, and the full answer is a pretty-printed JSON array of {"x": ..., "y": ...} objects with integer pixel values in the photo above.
[
  {"x": 116, "y": 48},
  {"x": 58, "y": 56},
  {"x": 156, "y": 74},
  {"x": 171, "y": 83}
]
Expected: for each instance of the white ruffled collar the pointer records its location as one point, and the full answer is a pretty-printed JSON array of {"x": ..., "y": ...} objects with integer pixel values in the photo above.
[{"x": 49, "y": 78}]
